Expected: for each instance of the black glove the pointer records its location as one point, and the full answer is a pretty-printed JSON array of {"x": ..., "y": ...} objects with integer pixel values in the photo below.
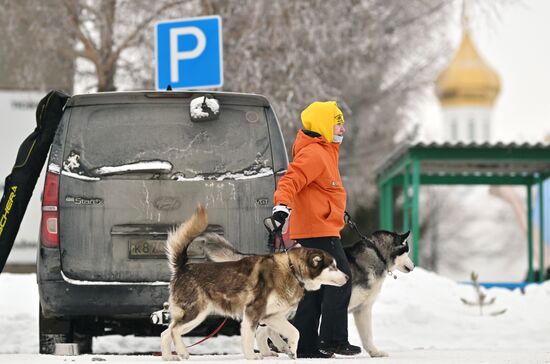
[{"x": 278, "y": 219}]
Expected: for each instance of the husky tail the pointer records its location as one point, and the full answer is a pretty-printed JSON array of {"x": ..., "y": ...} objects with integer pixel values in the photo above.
[
  {"x": 218, "y": 249},
  {"x": 179, "y": 239}
]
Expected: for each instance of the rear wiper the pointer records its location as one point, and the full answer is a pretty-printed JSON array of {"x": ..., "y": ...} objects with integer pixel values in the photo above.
[{"x": 155, "y": 166}]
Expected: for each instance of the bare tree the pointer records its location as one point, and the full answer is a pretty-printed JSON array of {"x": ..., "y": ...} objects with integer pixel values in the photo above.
[
  {"x": 33, "y": 37},
  {"x": 111, "y": 33}
]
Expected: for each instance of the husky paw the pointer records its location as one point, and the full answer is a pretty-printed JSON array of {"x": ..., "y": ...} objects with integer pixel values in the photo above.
[
  {"x": 270, "y": 353},
  {"x": 291, "y": 355},
  {"x": 254, "y": 356},
  {"x": 170, "y": 357},
  {"x": 286, "y": 349},
  {"x": 375, "y": 353}
]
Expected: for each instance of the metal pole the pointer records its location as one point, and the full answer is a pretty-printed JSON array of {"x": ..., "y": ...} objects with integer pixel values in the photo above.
[
  {"x": 529, "y": 236},
  {"x": 381, "y": 204},
  {"x": 542, "y": 271},
  {"x": 406, "y": 202},
  {"x": 415, "y": 211},
  {"x": 389, "y": 206}
]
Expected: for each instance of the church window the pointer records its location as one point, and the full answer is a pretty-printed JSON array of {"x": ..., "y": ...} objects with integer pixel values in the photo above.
[{"x": 454, "y": 130}]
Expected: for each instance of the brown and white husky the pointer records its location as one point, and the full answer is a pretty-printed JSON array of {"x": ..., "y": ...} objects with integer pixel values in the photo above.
[{"x": 256, "y": 289}]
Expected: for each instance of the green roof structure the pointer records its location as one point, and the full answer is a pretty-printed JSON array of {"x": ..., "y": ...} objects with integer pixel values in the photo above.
[{"x": 412, "y": 165}]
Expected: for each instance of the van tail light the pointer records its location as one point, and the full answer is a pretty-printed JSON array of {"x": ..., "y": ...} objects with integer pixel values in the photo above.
[{"x": 49, "y": 225}]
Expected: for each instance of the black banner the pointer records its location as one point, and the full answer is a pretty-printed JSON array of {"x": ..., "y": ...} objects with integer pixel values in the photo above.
[{"x": 30, "y": 159}]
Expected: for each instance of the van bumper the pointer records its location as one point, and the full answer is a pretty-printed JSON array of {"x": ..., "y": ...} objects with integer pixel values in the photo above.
[
  {"x": 123, "y": 308},
  {"x": 63, "y": 299}
]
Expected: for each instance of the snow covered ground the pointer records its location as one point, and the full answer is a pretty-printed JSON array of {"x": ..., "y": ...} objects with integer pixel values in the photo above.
[{"x": 419, "y": 318}]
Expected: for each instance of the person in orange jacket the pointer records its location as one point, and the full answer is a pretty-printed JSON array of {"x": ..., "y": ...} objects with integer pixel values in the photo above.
[{"x": 312, "y": 189}]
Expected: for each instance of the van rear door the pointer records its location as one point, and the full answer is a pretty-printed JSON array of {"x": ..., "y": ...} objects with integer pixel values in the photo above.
[{"x": 133, "y": 168}]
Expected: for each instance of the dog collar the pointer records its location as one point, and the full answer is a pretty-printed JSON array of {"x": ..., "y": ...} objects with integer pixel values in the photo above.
[
  {"x": 293, "y": 270},
  {"x": 371, "y": 245}
]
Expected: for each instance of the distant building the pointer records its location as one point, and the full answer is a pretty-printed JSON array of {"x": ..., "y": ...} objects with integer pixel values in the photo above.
[
  {"x": 491, "y": 219},
  {"x": 467, "y": 90}
]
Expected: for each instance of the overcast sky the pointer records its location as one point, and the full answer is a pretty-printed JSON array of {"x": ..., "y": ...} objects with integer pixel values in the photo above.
[{"x": 517, "y": 46}]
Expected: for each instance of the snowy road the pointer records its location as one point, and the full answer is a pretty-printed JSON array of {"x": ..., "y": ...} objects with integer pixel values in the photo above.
[
  {"x": 402, "y": 357},
  {"x": 419, "y": 318}
]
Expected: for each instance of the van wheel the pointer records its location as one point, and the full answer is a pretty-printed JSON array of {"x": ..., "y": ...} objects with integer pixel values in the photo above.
[
  {"x": 53, "y": 331},
  {"x": 84, "y": 342}
]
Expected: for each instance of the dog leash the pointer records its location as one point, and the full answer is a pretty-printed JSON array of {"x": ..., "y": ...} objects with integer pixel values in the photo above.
[
  {"x": 279, "y": 234},
  {"x": 353, "y": 225},
  {"x": 158, "y": 353},
  {"x": 370, "y": 243},
  {"x": 275, "y": 234},
  {"x": 212, "y": 334}
]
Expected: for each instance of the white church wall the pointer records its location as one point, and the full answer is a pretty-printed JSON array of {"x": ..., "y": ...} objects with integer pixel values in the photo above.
[{"x": 467, "y": 124}]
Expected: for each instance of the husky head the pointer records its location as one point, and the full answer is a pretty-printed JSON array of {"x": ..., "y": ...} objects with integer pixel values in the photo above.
[
  {"x": 395, "y": 247},
  {"x": 316, "y": 268},
  {"x": 402, "y": 260}
]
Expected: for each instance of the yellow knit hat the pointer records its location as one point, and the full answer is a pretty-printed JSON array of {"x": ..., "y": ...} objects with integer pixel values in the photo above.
[{"x": 321, "y": 117}]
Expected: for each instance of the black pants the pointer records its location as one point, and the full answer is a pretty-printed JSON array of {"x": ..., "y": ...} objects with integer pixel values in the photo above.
[{"x": 330, "y": 302}]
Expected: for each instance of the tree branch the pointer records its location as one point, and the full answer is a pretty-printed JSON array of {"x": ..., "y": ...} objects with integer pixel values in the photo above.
[
  {"x": 91, "y": 51},
  {"x": 139, "y": 28}
]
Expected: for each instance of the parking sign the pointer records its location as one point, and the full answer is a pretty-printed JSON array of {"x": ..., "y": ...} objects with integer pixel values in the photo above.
[{"x": 189, "y": 53}]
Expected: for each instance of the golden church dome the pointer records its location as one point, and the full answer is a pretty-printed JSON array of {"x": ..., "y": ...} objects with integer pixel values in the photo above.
[{"x": 468, "y": 80}]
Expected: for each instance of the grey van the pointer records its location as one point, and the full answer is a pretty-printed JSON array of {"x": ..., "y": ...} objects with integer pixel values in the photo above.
[{"x": 124, "y": 168}]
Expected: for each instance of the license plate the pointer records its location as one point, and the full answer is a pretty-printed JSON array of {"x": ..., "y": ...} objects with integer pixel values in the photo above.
[
  {"x": 154, "y": 249},
  {"x": 146, "y": 249}
]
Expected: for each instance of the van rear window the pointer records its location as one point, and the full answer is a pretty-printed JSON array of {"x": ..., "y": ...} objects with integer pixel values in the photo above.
[{"x": 237, "y": 144}]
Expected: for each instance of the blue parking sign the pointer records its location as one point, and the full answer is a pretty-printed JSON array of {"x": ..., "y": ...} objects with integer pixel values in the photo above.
[{"x": 189, "y": 53}]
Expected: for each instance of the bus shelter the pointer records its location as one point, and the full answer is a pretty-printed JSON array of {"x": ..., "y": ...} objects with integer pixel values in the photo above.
[{"x": 413, "y": 165}]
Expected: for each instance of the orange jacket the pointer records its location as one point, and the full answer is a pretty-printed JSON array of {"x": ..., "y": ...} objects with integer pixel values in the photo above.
[{"x": 313, "y": 189}]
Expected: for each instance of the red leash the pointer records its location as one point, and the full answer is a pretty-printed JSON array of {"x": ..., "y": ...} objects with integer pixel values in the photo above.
[
  {"x": 202, "y": 340},
  {"x": 212, "y": 334}
]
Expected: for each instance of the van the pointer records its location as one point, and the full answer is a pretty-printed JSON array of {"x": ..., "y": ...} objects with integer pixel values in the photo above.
[{"x": 125, "y": 168}]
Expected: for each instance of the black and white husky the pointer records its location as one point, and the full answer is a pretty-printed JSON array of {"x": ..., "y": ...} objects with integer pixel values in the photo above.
[{"x": 371, "y": 261}]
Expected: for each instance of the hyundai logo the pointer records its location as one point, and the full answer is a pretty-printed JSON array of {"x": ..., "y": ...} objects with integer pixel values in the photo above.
[{"x": 167, "y": 203}]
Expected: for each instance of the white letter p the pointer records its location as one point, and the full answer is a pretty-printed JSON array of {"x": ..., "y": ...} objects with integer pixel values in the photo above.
[{"x": 176, "y": 56}]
